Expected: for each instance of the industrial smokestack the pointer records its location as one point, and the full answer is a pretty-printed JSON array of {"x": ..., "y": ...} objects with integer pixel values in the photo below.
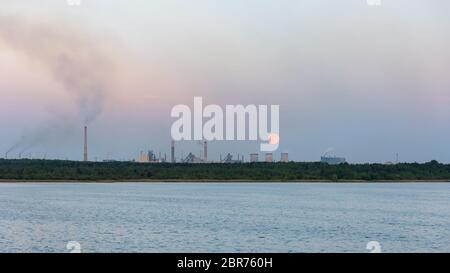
[
  {"x": 205, "y": 151},
  {"x": 172, "y": 152},
  {"x": 85, "y": 158}
]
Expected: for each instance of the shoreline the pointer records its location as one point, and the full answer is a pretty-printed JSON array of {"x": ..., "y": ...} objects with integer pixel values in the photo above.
[{"x": 211, "y": 181}]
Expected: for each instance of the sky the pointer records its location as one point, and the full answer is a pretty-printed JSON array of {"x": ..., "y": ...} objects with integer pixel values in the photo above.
[{"x": 361, "y": 81}]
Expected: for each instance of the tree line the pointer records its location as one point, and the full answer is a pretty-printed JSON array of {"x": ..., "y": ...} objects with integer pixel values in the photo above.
[{"x": 32, "y": 170}]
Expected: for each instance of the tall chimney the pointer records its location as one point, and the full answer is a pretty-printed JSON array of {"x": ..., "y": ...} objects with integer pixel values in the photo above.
[
  {"x": 205, "y": 151},
  {"x": 172, "y": 152},
  {"x": 85, "y": 158}
]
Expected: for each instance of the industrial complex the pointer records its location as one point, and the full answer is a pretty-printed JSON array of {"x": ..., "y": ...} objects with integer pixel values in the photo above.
[{"x": 150, "y": 156}]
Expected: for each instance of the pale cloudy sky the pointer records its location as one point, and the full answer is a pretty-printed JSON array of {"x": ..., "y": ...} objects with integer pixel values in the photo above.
[{"x": 367, "y": 81}]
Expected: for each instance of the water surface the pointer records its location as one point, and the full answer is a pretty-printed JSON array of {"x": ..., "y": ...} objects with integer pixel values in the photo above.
[{"x": 211, "y": 217}]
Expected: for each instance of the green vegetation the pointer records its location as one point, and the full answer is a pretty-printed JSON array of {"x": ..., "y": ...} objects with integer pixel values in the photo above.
[{"x": 32, "y": 170}]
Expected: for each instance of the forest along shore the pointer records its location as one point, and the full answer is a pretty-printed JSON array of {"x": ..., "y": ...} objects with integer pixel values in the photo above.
[{"x": 26, "y": 170}]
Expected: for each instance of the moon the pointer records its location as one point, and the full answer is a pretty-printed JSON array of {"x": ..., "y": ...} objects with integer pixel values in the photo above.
[{"x": 274, "y": 139}]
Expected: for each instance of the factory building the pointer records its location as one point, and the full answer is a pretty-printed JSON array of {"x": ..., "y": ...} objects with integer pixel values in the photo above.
[
  {"x": 284, "y": 157},
  {"x": 191, "y": 158},
  {"x": 254, "y": 158},
  {"x": 331, "y": 160},
  {"x": 229, "y": 159},
  {"x": 143, "y": 158},
  {"x": 149, "y": 157}
]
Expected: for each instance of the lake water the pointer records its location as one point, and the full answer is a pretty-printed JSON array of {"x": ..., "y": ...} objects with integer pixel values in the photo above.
[{"x": 241, "y": 217}]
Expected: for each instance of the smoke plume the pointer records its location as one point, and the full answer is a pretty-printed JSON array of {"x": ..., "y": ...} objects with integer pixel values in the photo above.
[
  {"x": 72, "y": 57},
  {"x": 53, "y": 133}
]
